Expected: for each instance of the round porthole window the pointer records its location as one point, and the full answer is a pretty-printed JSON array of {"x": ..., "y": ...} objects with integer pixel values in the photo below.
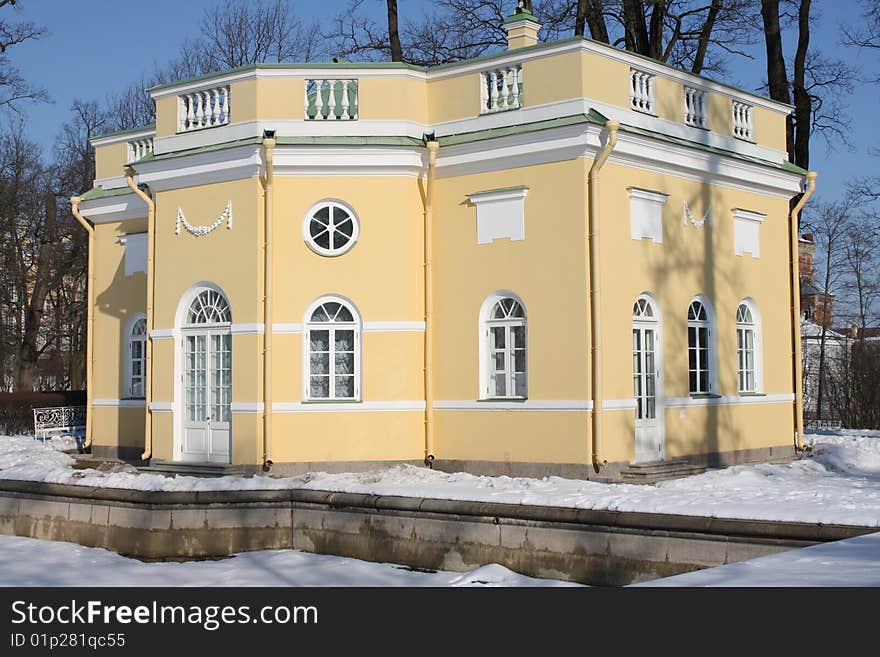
[{"x": 330, "y": 228}]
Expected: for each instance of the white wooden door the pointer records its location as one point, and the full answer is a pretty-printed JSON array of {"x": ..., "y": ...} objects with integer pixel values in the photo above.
[
  {"x": 207, "y": 396},
  {"x": 649, "y": 436}
]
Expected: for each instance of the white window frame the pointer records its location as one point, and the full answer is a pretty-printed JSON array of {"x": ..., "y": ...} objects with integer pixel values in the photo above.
[
  {"x": 711, "y": 340},
  {"x": 486, "y": 352},
  {"x": 333, "y": 204},
  {"x": 129, "y": 360},
  {"x": 757, "y": 347},
  {"x": 356, "y": 325}
]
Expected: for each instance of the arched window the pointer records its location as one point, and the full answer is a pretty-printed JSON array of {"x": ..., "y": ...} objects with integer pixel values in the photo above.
[
  {"x": 748, "y": 347},
  {"x": 505, "y": 349},
  {"x": 209, "y": 307},
  {"x": 333, "y": 339},
  {"x": 701, "y": 372},
  {"x": 137, "y": 357}
]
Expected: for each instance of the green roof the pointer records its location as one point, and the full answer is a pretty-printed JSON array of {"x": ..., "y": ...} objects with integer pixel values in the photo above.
[
  {"x": 521, "y": 14},
  {"x": 149, "y": 126},
  {"x": 100, "y": 192}
]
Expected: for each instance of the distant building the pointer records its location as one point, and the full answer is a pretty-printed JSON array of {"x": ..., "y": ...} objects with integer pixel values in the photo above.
[{"x": 816, "y": 306}]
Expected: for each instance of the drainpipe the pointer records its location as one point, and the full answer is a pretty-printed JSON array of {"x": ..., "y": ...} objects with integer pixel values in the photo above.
[
  {"x": 592, "y": 257},
  {"x": 90, "y": 316},
  {"x": 433, "y": 147},
  {"x": 796, "y": 316},
  {"x": 148, "y": 389},
  {"x": 268, "y": 151}
]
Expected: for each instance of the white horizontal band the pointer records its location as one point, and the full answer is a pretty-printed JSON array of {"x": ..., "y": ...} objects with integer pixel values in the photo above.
[
  {"x": 504, "y": 405},
  {"x": 246, "y": 407},
  {"x": 347, "y": 407},
  {"x": 618, "y": 404},
  {"x": 161, "y": 407},
  {"x": 299, "y": 327},
  {"x": 120, "y": 403},
  {"x": 731, "y": 400}
]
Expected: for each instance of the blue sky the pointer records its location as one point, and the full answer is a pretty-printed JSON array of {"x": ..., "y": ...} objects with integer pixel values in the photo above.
[{"x": 96, "y": 47}]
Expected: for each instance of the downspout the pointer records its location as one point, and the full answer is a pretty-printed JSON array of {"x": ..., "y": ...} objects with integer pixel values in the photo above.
[
  {"x": 268, "y": 151},
  {"x": 592, "y": 257},
  {"x": 148, "y": 364},
  {"x": 433, "y": 147},
  {"x": 796, "y": 315},
  {"x": 90, "y": 315}
]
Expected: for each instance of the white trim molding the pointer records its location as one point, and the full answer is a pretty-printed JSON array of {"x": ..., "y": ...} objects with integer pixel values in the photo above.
[
  {"x": 256, "y": 328},
  {"x": 222, "y": 165},
  {"x": 347, "y": 407},
  {"x": 402, "y": 326},
  {"x": 287, "y": 327},
  {"x": 127, "y": 136},
  {"x": 557, "y": 405},
  {"x": 729, "y": 400},
  {"x": 113, "y": 182},
  {"x": 114, "y": 208},
  {"x": 618, "y": 404},
  {"x": 119, "y": 403},
  {"x": 246, "y": 407},
  {"x": 161, "y": 407},
  {"x": 394, "y": 327}
]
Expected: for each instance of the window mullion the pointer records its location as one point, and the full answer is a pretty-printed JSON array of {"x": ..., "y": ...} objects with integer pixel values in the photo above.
[
  {"x": 508, "y": 362},
  {"x": 331, "y": 361}
]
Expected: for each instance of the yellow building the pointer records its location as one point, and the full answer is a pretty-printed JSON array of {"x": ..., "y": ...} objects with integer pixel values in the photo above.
[{"x": 559, "y": 259}]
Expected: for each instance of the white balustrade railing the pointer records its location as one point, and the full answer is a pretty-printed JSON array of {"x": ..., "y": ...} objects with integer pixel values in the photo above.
[
  {"x": 207, "y": 108},
  {"x": 695, "y": 108},
  {"x": 641, "y": 91},
  {"x": 139, "y": 149},
  {"x": 743, "y": 127},
  {"x": 331, "y": 100},
  {"x": 501, "y": 89}
]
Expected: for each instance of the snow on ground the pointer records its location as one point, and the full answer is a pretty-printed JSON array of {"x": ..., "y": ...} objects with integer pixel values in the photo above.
[
  {"x": 838, "y": 483},
  {"x": 853, "y": 562},
  {"x": 52, "y": 563}
]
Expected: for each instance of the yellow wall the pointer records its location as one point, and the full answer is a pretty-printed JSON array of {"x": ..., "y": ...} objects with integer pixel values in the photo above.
[
  {"x": 118, "y": 427},
  {"x": 381, "y": 274},
  {"x": 110, "y": 160},
  {"x": 118, "y": 299},
  {"x": 166, "y": 116},
  {"x": 546, "y": 270},
  {"x": 393, "y": 99}
]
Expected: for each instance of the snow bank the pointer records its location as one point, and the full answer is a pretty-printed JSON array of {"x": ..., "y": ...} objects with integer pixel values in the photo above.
[
  {"x": 839, "y": 483},
  {"x": 51, "y": 563}
]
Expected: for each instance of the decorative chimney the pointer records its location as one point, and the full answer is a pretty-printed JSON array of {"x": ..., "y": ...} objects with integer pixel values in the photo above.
[{"x": 522, "y": 28}]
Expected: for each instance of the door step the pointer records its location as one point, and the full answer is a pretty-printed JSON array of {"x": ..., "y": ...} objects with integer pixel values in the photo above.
[
  {"x": 193, "y": 469},
  {"x": 651, "y": 473}
]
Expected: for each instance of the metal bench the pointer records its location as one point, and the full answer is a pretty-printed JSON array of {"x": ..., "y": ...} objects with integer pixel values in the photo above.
[{"x": 60, "y": 421}]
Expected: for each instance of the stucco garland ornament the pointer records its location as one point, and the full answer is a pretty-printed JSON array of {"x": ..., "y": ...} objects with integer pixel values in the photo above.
[
  {"x": 200, "y": 231},
  {"x": 688, "y": 216}
]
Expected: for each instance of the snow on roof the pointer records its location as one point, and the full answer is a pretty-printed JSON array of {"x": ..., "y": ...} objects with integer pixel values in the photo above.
[{"x": 812, "y": 330}]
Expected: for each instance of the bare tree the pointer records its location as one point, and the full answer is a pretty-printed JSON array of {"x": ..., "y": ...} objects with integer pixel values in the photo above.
[
  {"x": 239, "y": 32},
  {"x": 817, "y": 83},
  {"x": 829, "y": 223},
  {"x": 13, "y": 87},
  {"x": 394, "y": 32}
]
